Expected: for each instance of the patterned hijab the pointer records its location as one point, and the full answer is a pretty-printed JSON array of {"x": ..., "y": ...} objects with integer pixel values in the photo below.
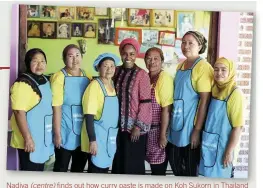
[{"x": 221, "y": 90}]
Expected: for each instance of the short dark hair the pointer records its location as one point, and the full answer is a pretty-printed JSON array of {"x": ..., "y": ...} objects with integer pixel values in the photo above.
[
  {"x": 154, "y": 49},
  {"x": 67, "y": 48},
  {"x": 30, "y": 54},
  {"x": 90, "y": 26}
]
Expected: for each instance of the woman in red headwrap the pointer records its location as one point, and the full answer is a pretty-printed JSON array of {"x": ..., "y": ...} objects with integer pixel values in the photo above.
[{"x": 134, "y": 91}]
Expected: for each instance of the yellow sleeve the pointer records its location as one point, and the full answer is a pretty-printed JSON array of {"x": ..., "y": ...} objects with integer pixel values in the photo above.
[
  {"x": 235, "y": 108},
  {"x": 93, "y": 100},
  {"x": 164, "y": 90},
  {"x": 202, "y": 77},
  {"x": 23, "y": 97},
  {"x": 57, "y": 87}
]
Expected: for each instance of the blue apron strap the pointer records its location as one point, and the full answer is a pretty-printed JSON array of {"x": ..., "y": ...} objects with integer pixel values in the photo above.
[
  {"x": 83, "y": 72},
  {"x": 31, "y": 78},
  {"x": 45, "y": 78},
  {"x": 231, "y": 93},
  {"x": 196, "y": 61},
  {"x": 64, "y": 72},
  {"x": 102, "y": 86},
  {"x": 181, "y": 66}
]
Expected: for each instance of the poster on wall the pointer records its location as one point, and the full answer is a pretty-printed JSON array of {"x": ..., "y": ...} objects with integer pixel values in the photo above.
[
  {"x": 77, "y": 29},
  {"x": 48, "y": 30},
  {"x": 49, "y": 12},
  {"x": 33, "y": 29},
  {"x": 139, "y": 17},
  {"x": 106, "y": 34},
  {"x": 162, "y": 18},
  {"x": 185, "y": 22},
  {"x": 150, "y": 36},
  {"x": 32, "y": 11},
  {"x": 90, "y": 30},
  {"x": 63, "y": 30},
  {"x": 124, "y": 33}
]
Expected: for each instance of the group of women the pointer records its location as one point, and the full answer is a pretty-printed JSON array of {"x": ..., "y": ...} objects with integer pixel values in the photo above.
[{"x": 126, "y": 116}]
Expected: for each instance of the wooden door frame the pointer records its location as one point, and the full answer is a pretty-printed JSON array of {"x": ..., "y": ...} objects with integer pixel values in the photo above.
[
  {"x": 22, "y": 38},
  {"x": 212, "y": 54}
]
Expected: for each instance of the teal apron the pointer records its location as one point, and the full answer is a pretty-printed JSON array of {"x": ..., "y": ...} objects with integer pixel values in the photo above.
[
  {"x": 184, "y": 108},
  {"x": 214, "y": 140},
  {"x": 106, "y": 130},
  {"x": 39, "y": 120},
  {"x": 72, "y": 113}
]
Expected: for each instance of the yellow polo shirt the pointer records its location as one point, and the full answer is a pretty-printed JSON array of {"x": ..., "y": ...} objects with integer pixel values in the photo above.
[
  {"x": 22, "y": 98},
  {"x": 235, "y": 108},
  {"x": 92, "y": 103},
  {"x": 164, "y": 89},
  {"x": 57, "y": 87},
  {"x": 202, "y": 76}
]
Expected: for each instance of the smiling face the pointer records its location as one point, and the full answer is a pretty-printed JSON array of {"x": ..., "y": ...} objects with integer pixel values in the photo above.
[
  {"x": 153, "y": 61},
  {"x": 38, "y": 64},
  {"x": 73, "y": 59},
  {"x": 107, "y": 69},
  {"x": 128, "y": 56},
  {"x": 221, "y": 72},
  {"x": 190, "y": 46}
]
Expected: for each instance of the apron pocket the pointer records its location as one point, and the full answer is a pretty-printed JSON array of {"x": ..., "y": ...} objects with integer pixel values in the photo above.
[
  {"x": 178, "y": 115},
  {"x": 77, "y": 118},
  {"x": 48, "y": 130},
  {"x": 210, "y": 148},
  {"x": 111, "y": 141}
]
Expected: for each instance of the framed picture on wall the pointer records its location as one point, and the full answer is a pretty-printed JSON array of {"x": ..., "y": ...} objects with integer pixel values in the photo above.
[
  {"x": 33, "y": 29},
  {"x": 144, "y": 47},
  {"x": 185, "y": 22},
  {"x": 101, "y": 11},
  {"x": 162, "y": 18},
  {"x": 118, "y": 14},
  {"x": 33, "y": 11},
  {"x": 178, "y": 50},
  {"x": 123, "y": 33},
  {"x": 63, "y": 30},
  {"x": 150, "y": 36},
  {"x": 139, "y": 17},
  {"x": 89, "y": 30},
  {"x": 106, "y": 33},
  {"x": 167, "y": 38},
  {"x": 47, "y": 11},
  {"x": 66, "y": 13},
  {"x": 77, "y": 29},
  {"x": 85, "y": 13},
  {"x": 48, "y": 30}
]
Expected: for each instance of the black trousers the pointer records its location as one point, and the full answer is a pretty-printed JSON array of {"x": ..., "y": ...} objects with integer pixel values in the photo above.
[
  {"x": 159, "y": 169},
  {"x": 26, "y": 164},
  {"x": 184, "y": 161},
  {"x": 63, "y": 156},
  {"x": 130, "y": 156}
]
